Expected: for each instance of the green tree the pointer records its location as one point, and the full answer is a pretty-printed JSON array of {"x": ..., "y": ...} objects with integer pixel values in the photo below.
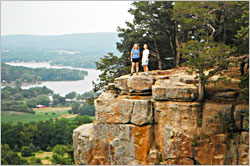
[
  {"x": 201, "y": 50},
  {"x": 55, "y": 101},
  {"x": 8, "y": 157},
  {"x": 43, "y": 100},
  {"x": 71, "y": 95},
  {"x": 35, "y": 161},
  {"x": 87, "y": 109},
  {"x": 111, "y": 67},
  {"x": 59, "y": 155},
  {"x": 16, "y": 149},
  {"x": 75, "y": 108},
  {"x": 32, "y": 147},
  {"x": 48, "y": 149},
  {"x": 26, "y": 152},
  {"x": 242, "y": 36},
  {"x": 31, "y": 103},
  {"x": 18, "y": 97}
]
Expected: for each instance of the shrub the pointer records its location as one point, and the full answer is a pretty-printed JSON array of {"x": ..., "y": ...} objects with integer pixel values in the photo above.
[
  {"x": 48, "y": 149},
  {"x": 26, "y": 152}
]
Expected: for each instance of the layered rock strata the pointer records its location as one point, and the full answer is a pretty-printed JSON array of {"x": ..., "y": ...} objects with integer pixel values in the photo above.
[{"x": 155, "y": 119}]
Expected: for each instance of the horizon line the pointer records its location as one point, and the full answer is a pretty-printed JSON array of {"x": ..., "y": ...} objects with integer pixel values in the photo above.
[{"x": 55, "y": 34}]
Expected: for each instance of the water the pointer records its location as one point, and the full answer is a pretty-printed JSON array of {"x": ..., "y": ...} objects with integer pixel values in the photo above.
[{"x": 63, "y": 87}]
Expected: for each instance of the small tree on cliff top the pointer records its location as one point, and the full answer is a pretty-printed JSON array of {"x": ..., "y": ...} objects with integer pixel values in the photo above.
[
  {"x": 202, "y": 57},
  {"x": 202, "y": 52}
]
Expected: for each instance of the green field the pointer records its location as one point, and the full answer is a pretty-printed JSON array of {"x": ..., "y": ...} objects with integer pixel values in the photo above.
[{"x": 40, "y": 114}]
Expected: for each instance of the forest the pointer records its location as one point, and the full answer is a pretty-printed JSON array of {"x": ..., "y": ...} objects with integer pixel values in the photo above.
[
  {"x": 50, "y": 135},
  {"x": 19, "y": 74}
]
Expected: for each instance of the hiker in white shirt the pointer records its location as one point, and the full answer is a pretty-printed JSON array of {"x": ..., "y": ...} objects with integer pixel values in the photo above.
[{"x": 145, "y": 56}]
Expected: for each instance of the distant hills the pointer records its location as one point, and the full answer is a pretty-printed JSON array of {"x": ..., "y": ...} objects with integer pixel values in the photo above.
[{"x": 79, "y": 50}]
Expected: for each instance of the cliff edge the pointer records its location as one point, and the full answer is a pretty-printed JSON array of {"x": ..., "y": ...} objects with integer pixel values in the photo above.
[{"x": 155, "y": 119}]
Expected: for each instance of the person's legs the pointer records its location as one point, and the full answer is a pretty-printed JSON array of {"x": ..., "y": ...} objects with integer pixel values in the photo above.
[
  {"x": 132, "y": 68},
  {"x": 146, "y": 67},
  {"x": 146, "y": 70},
  {"x": 137, "y": 67}
]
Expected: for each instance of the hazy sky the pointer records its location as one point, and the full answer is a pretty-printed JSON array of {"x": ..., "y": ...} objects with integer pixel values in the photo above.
[{"x": 63, "y": 17}]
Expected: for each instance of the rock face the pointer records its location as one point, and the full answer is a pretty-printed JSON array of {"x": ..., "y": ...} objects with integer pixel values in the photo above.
[{"x": 155, "y": 120}]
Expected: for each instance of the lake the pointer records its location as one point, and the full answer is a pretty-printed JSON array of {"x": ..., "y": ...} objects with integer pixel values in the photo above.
[{"x": 63, "y": 87}]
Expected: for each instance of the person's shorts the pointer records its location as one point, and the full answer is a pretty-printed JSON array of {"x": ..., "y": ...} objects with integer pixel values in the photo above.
[{"x": 135, "y": 60}]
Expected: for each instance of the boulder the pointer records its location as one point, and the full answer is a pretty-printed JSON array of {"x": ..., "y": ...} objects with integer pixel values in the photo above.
[
  {"x": 115, "y": 144},
  {"x": 82, "y": 142},
  {"x": 167, "y": 90},
  {"x": 121, "y": 110},
  {"x": 140, "y": 83},
  {"x": 121, "y": 84}
]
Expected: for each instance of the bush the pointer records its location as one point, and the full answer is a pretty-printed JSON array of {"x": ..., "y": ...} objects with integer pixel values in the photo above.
[
  {"x": 48, "y": 149},
  {"x": 16, "y": 149},
  {"x": 46, "y": 113},
  {"x": 59, "y": 149},
  {"x": 31, "y": 103},
  {"x": 26, "y": 152},
  {"x": 32, "y": 147},
  {"x": 53, "y": 113},
  {"x": 75, "y": 108},
  {"x": 43, "y": 100},
  {"x": 8, "y": 157},
  {"x": 37, "y": 149},
  {"x": 35, "y": 161},
  {"x": 18, "y": 106},
  {"x": 18, "y": 97},
  {"x": 87, "y": 109}
]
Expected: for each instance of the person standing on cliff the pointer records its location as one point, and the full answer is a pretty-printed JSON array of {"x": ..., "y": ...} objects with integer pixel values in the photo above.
[
  {"x": 145, "y": 57},
  {"x": 134, "y": 58}
]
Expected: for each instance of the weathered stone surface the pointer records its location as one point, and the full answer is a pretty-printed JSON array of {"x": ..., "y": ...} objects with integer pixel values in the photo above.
[
  {"x": 82, "y": 142},
  {"x": 165, "y": 126},
  {"x": 238, "y": 151},
  {"x": 225, "y": 96},
  {"x": 177, "y": 125},
  {"x": 121, "y": 110},
  {"x": 165, "y": 90},
  {"x": 120, "y": 144},
  {"x": 240, "y": 116},
  {"x": 208, "y": 152},
  {"x": 121, "y": 84},
  {"x": 189, "y": 80},
  {"x": 140, "y": 83},
  {"x": 180, "y": 161},
  {"x": 243, "y": 149},
  {"x": 183, "y": 116},
  {"x": 216, "y": 118}
]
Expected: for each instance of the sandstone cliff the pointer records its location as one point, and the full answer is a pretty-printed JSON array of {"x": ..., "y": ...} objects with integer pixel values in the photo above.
[{"x": 155, "y": 119}]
